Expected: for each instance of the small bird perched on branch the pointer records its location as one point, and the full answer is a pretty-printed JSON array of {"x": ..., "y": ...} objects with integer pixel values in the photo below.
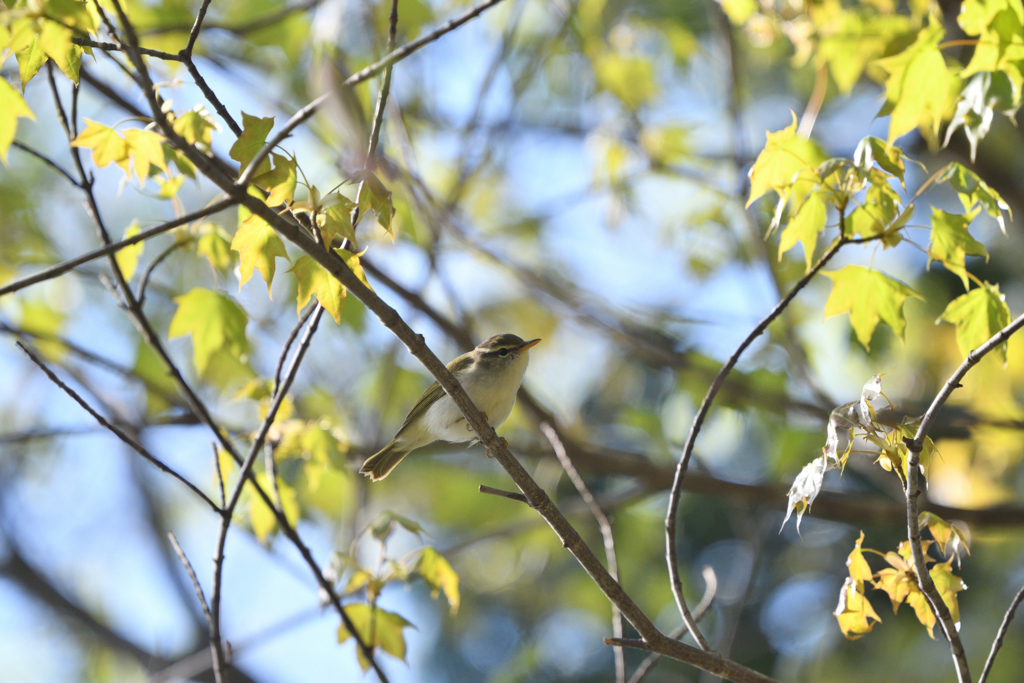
[{"x": 491, "y": 374}]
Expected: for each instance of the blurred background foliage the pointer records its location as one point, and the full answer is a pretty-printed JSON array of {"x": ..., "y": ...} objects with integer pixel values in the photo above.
[{"x": 575, "y": 172}]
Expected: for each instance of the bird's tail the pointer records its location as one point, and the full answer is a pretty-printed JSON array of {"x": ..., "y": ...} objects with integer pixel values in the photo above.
[{"x": 379, "y": 465}]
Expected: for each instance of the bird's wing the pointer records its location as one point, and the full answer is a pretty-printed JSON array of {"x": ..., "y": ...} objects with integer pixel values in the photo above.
[{"x": 433, "y": 392}]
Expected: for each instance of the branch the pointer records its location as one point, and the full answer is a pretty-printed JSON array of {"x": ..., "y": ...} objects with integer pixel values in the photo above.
[
  {"x": 511, "y": 495},
  {"x": 46, "y": 160},
  {"x": 369, "y": 72},
  {"x": 998, "y": 642},
  {"x": 710, "y": 588},
  {"x": 671, "y": 556},
  {"x": 118, "y": 432},
  {"x": 606, "y": 534},
  {"x": 914, "y": 447},
  {"x": 111, "y": 248},
  {"x": 708, "y": 661},
  {"x": 113, "y": 47}
]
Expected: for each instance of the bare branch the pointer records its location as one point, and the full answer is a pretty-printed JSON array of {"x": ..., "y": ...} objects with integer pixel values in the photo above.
[
  {"x": 192, "y": 577},
  {"x": 369, "y": 72},
  {"x": 708, "y": 661},
  {"x": 118, "y": 432},
  {"x": 710, "y": 588},
  {"x": 46, "y": 160},
  {"x": 671, "y": 556},
  {"x": 998, "y": 642},
  {"x": 606, "y": 533},
  {"x": 511, "y": 495},
  {"x": 913, "y": 492},
  {"x": 111, "y": 248}
]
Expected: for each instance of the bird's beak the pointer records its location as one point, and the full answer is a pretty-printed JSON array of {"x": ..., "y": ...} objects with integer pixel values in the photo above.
[{"x": 526, "y": 345}]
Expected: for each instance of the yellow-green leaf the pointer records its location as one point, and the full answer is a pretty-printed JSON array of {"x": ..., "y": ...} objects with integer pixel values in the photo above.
[
  {"x": 314, "y": 280},
  {"x": 151, "y": 369},
  {"x": 215, "y": 322},
  {"x": 145, "y": 149},
  {"x": 261, "y": 517},
  {"x": 918, "y": 90},
  {"x": 859, "y": 569},
  {"x": 169, "y": 187},
  {"x": 55, "y": 41},
  {"x": 215, "y": 245},
  {"x": 12, "y": 107},
  {"x": 978, "y": 315},
  {"x": 280, "y": 181},
  {"x": 951, "y": 242},
  {"x": 630, "y": 78},
  {"x": 948, "y": 585},
  {"x": 377, "y": 198},
  {"x": 106, "y": 144},
  {"x": 258, "y": 247},
  {"x": 855, "y": 614},
  {"x": 196, "y": 126},
  {"x": 128, "y": 257},
  {"x": 804, "y": 227},
  {"x": 974, "y": 191},
  {"x": 352, "y": 261},
  {"x": 439, "y": 575},
  {"x": 251, "y": 141},
  {"x": 378, "y": 628},
  {"x": 335, "y": 220},
  {"x": 30, "y": 60},
  {"x": 786, "y": 158},
  {"x": 869, "y": 296}
]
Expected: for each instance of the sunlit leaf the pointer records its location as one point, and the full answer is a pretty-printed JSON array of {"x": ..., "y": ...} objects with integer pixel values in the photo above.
[
  {"x": 314, "y": 280},
  {"x": 378, "y": 628},
  {"x": 280, "y": 181},
  {"x": 439, "y": 575},
  {"x": 352, "y": 261},
  {"x": 804, "y": 227},
  {"x": 106, "y": 144},
  {"x": 869, "y": 297},
  {"x": 974, "y": 191},
  {"x": 215, "y": 322},
  {"x": 630, "y": 78},
  {"x": 145, "y": 149},
  {"x": 261, "y": 517},
  {"x": 215, "y": 245},
  {"x": 978, "y": 315},
  {"x": 128, "y": 257},
  {"x": 196, "y": 126},
  {"x": 12, "y": 107},
  {"x": 251, "y": 141},
  {"x": 55, "y": 41},
  {"x": 30, "y": 60},
  {"x": 786, "y": 157},
  {"x": 152, "y": 370},
  {"x": 258, "y": 247},
  {"x": 951, "y": 242},
  {"x": 855, "y": 614}
]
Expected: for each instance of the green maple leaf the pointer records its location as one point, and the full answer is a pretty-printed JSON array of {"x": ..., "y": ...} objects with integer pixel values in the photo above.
[
  {"x": 973, "y": 191},
  {"x": 145, "y": 149},
  {"x": 258, "y": 247},
  {"x": 378, "y": 628},
  {"x": 314, "y": 280},
  {"x": 280, "y": 181},
  {"x": 804, "y": 227},
  {"x": 262, "y": 518},
  {"x": 951, "y": 242},
  {"x": 978, "y": 315},
  {"x": 999, "y": 26},
  {"x": 106, "y": 144},
  {"x": 215, "y": 322},
  {"x": 439, "y": 575},
  {"x": 12, "y": 107},
  {"x": 948, "y": 585},
  {"x": 787, "y": 160},
  {"x": 55, "y": 42},
  {"x": 30, "y": 60},
  {"x": 251, "y": 141},
  {"x": 870, "y": 297},
  {"x": 919, "y": 88},
  {"x": 195, "y": 126}
]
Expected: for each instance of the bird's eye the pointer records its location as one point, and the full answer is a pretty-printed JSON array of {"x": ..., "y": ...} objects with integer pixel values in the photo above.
[{"x": 503, "y": 352}]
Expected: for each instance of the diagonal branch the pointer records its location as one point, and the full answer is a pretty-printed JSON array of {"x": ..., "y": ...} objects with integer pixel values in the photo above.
[
  {"x": 111, "y": 248},
  {"x": 118, "y": 432},
  {"x": 606, "y": 534},
  {"x": 913, "y": 492},
  {"x": 671, "y": 556},
  {"x": 998, "y": 642}
]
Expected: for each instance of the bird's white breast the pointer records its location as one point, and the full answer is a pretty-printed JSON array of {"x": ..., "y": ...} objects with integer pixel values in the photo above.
[{"x": 492, "y": 393}]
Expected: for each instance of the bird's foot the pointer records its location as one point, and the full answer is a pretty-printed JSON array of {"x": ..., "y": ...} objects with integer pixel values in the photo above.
[{"x": 503, "y": 443}]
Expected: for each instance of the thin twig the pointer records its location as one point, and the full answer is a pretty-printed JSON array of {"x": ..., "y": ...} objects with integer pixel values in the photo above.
[
  {"x": 606, "y": 534},
  {"x": 710, "y": 588},
  {"x": 1000, "y": 634},
  {"x": 913, "y": 492},
  {"x": 148, "y": 273},
  {"x": 671, "y": 555},
  {"x": 501, "y": 493},
  {"x": 46, "y": 160},
  {"x": 192, "y": 576},
  {"x": 369, "y": 72},
  {"x": 194, "y": 33},
  {"x": 287, "y": 347},
  {"x": 711, "y": 662},
  {"x": 106, "y": 250},
  {"x": 112, "y": 47},
  {"x": 118, "y": 432}
]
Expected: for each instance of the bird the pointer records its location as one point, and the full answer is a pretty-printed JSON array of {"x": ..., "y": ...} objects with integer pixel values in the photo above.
[{"x": 491, "y": 374}]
